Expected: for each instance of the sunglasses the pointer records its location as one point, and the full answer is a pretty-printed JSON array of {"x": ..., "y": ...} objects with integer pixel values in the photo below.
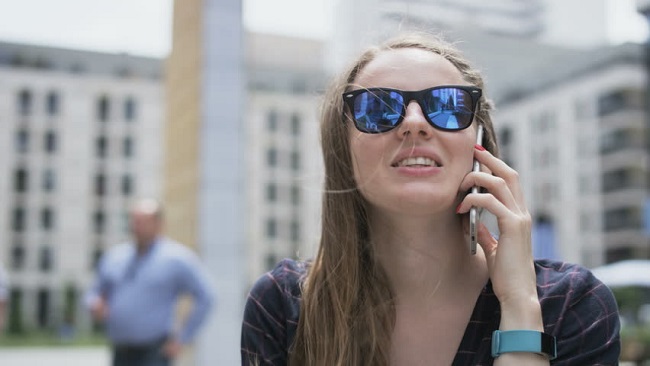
[{"x": 446, "y": 107}]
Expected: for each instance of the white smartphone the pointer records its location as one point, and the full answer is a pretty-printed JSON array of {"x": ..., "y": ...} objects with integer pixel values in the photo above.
[{"x": 473, "y": 212}]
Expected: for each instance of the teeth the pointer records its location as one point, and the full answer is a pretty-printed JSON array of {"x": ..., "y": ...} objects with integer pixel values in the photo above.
[{"x": 420, "y": 160}]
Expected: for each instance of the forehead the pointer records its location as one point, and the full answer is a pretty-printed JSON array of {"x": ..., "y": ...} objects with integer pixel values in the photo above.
[
  {"x": 142, "y": 214},
  {"x": 408, "y": 69}
]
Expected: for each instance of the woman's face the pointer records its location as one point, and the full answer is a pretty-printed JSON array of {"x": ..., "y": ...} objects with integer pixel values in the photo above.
[{"x": 388, "y": 167}]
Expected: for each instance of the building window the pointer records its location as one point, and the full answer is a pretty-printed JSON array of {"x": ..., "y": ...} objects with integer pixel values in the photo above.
[
  {"x": 127, "y": 185},
  {"x": 19, "y": 220},
  {"x": 52, "y": 103},
  {"x": 128, "y": 147},
  {"x": 622, "y": 218},
  {"x": 295, "y": 160},
  {"x": 621, "y": 139},
  {"x": 621, "y": 179},
  {"x": 101, "y": 147},
  {"x": 272, "y": 157},
  {"x": 50, "y": 142},
  {"x": 295, "y": 195},
  {"x": 272, "y": 120},
  {"x": 129, "y": 109},
  {"x": 271, "y": 228},
  {"x": 125, "y": 222},
  {"x": 22, "y": 141},
  {"x": 295, "y": 231},
  {"x": 25, "y": 103},
  {"x": 271, "y": 192},
  {"x": 17, "y": 257},
  {"x": 613, "y": 255},
  {"x": 47, "y": 219},
  {"x": 616, "y": 100},
  {"x": 271, "y": 261},
  {"x": 21, "y": 180},
  {"x": 43, "y": 308},
  {"x": 96, "y": 257},
  {"x": 45, "y": 259},
  {"x": 103, "y": 109},
  {"x": 99, "y": 222},
  {"x": 49, "y": 180},
  {"x": 295, "y": 124},
  {"x": 100, "y": 184},
  {"x": 16, "y": 315}
]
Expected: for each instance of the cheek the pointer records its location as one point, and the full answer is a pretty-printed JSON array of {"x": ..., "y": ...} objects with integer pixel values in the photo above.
[
  {"x": 465, "y": 160},
  {"x": 367, "y": 156}
]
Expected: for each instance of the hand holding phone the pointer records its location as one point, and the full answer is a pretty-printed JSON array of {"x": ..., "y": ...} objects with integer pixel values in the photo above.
[{"x": 473, "y": 212}]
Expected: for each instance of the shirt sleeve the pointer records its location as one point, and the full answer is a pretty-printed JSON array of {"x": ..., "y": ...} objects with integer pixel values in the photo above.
[
  {"x": 585, "y": 319},
  {"x": 265, "y": 338},
  {"x": 196, "y": 283},
  {"x": 97, "y": 287}
]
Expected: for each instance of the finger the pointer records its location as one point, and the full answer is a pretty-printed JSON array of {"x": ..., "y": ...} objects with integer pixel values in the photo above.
[
  {"x": 509, "y": 222},
  {"x": 500, "y": 169},
  {"x": 486, "y": 201},
  {"x": 494, "y": 185}
]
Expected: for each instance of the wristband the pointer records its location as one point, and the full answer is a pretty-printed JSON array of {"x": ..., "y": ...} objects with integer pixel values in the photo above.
[{"x": 523, "y": 341}]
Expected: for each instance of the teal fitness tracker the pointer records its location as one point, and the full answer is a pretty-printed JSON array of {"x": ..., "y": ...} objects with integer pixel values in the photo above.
[{"x": 523, "y": 341}]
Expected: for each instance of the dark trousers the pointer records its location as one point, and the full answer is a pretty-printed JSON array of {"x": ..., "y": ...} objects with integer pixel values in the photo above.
[{"x": 150, "y": 354}]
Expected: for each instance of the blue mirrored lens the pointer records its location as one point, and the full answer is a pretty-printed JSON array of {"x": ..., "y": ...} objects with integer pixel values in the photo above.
[
  {"x": 448, "y": 108},
  {"x": 378, "y": 110}
]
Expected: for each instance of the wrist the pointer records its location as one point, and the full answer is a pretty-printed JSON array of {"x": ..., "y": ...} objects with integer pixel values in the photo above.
[{"x": 525, "y": 313}]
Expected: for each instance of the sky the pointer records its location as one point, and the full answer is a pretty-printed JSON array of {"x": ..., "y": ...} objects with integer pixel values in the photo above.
[{"x": 143, "y": 27}]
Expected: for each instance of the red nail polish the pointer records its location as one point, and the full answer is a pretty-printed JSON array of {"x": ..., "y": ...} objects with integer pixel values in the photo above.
[
  {"x": 458, "y": 208},
  {"x": 479, "y": 147}
]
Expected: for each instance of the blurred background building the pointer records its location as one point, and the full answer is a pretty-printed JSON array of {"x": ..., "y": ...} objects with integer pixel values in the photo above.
[
  {"x": 284, "y": 169},
  {"x": 576, "y": 134},
  {"x": 225, "y": 131},
  {"x": 571, "y": 119},
  {"x": 559, "y": 22},
  {"x": 80, "y": 135}
]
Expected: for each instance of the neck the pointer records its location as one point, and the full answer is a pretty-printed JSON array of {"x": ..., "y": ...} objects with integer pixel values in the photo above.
[
  {"x": 426, "y": 258},
  {"x": 143, "y": 245}
]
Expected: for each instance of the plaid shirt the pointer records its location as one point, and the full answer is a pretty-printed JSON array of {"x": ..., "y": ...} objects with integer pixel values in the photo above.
[{"x": 577, "y": 309}]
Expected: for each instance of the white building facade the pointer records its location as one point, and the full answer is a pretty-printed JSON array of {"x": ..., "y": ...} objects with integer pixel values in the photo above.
[
  {"x": 578, "y": 139},
  {"x": 284, "y": 167},
  {"x": 80, "y": 137}
]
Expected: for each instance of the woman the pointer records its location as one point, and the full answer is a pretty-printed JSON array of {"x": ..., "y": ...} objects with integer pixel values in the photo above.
[{"x": 393, "y": 282}]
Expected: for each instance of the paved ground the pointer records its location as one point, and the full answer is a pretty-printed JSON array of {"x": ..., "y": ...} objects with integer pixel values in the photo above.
[{"x": 36, "y": 356}]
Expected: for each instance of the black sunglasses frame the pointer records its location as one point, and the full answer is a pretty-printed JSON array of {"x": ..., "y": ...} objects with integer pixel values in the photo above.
[{"x": 474, "y": 93}]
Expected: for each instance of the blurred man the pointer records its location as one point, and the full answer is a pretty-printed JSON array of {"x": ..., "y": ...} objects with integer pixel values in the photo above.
[{"x": 137, "y": 287}]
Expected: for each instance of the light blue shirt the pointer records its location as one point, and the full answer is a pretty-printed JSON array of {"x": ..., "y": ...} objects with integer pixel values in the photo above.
[{"x": 142, "y": 290}]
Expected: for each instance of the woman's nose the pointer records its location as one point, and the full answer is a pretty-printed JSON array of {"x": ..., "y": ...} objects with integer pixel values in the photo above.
[{"x": 414, "y": 121}]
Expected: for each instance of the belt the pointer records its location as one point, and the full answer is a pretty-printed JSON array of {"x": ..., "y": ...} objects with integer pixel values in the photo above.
[{"x": 139, "y": 347}]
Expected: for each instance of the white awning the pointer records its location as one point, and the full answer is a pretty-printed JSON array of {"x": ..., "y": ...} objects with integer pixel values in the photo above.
[{"x": 634, "y": 272}]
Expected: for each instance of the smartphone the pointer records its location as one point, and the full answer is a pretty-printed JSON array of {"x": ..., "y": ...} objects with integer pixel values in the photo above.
[{"x": 473, "y": 212}]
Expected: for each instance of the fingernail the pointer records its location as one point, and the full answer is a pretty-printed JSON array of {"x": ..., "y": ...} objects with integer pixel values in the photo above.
[
  {"x": 479, "y": 147},
  {"x": 458, "y": 208}
]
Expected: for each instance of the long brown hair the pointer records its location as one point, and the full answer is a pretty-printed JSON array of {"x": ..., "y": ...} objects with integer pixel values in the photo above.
[{"x": 347, "y": 312}]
